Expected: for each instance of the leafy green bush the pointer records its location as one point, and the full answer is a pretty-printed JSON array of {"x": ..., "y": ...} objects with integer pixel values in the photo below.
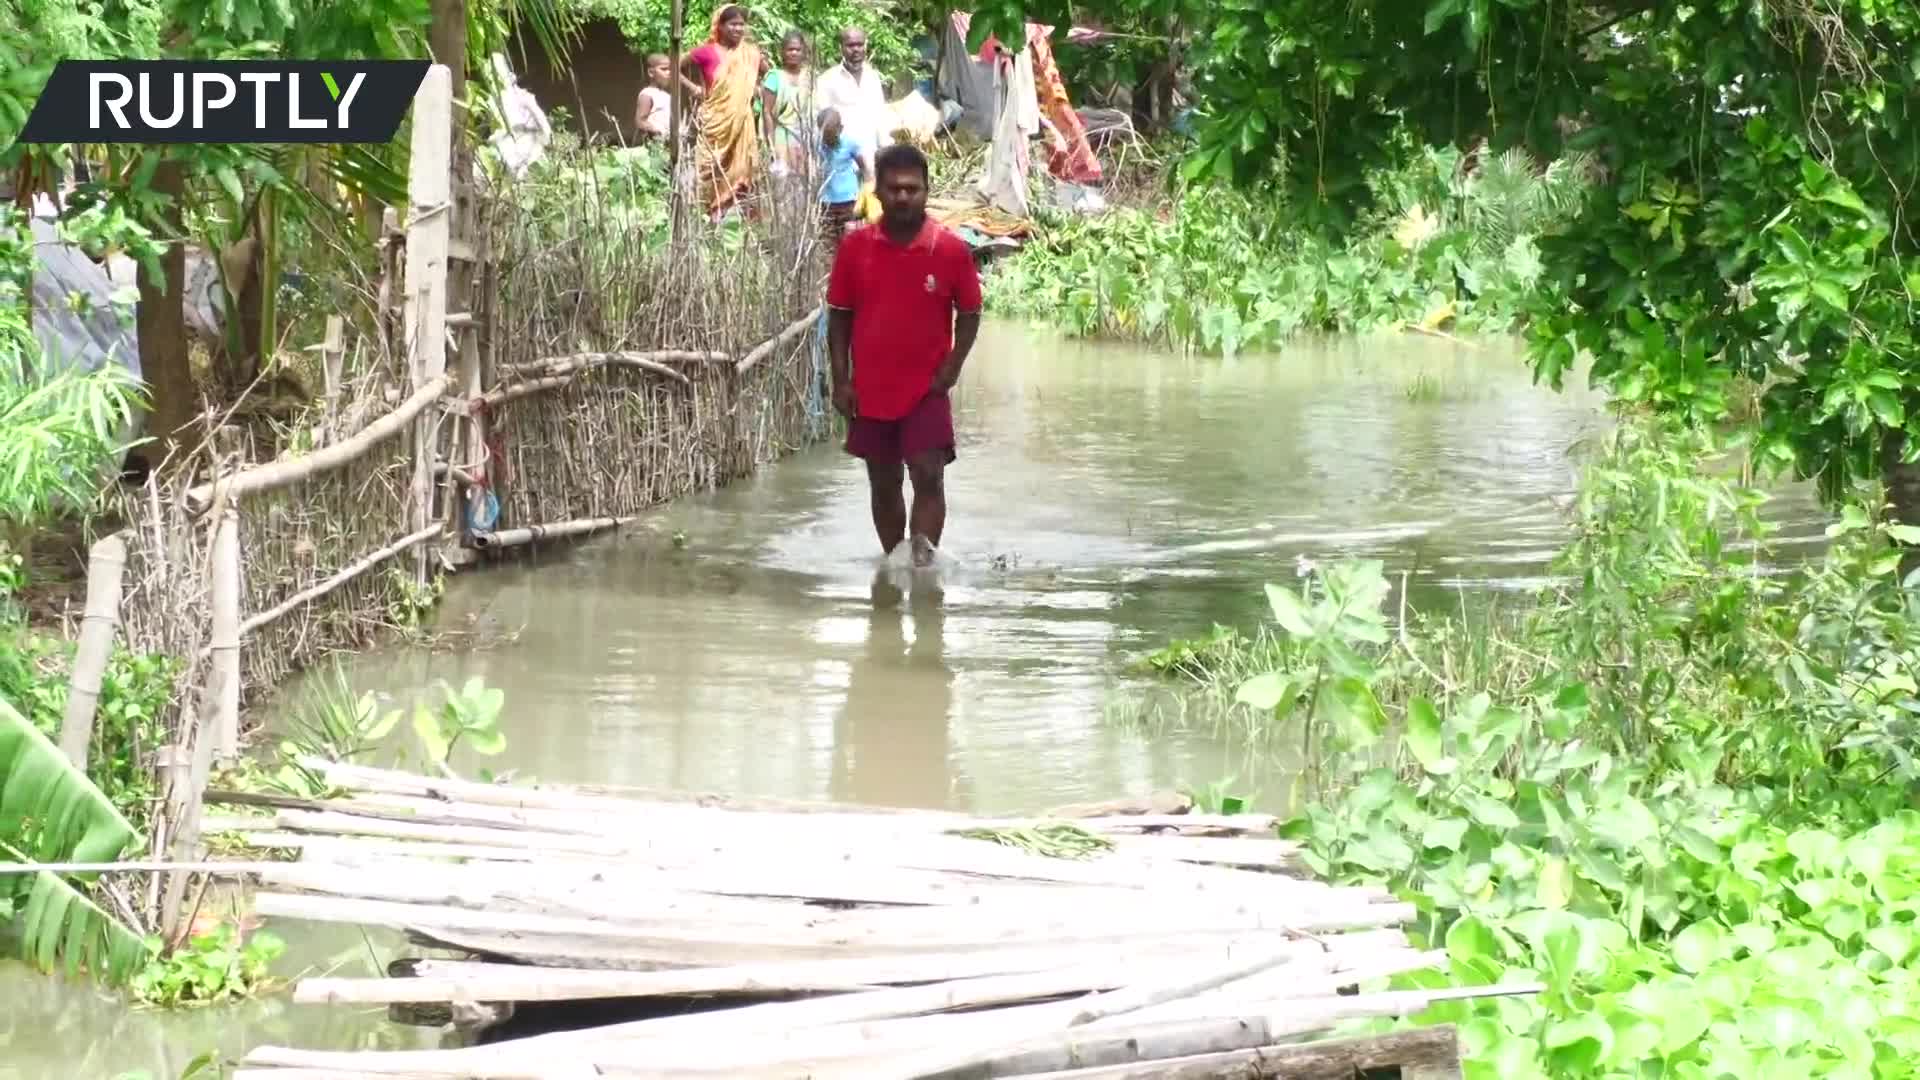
[
  {"x": 214, "y": 967},
  {"x": 1676, "y": 791}
]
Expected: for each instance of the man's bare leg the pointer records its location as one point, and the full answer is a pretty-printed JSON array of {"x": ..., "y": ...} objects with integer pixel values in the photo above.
[
  {"x": 929, "y": 471},
  {"x": 889, "y": 505}
]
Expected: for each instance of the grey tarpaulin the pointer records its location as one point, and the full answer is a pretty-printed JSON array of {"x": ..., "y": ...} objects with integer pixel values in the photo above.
[
  {"x": 965, "y": 78},
  {"x": 99, "y": 332}
]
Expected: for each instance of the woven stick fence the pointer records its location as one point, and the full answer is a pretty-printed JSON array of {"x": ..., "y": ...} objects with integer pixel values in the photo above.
[{"x": 528, "y": 367}]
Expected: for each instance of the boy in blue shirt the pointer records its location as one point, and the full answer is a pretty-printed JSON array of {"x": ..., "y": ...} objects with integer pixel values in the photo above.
[{"x": 844, "y": 171}]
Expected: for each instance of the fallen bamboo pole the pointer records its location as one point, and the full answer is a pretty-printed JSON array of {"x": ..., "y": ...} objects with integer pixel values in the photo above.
[
  {"x": 106, "y": 577},
  {"x": 945, "y": 1062},
  {"x": 1433, "y": 1051},
  {"x": 228, "y": 868},
  {"x": 280, "y": 474},
  {"x": 447, "y": 980},
  {"x": 506, "y": 538},
  {"x": 361, "y": 566},
  {"x": 575, "y": 363},
  {"x": 1234, "y": 1027},
  {"x": 766, "y": 348}
]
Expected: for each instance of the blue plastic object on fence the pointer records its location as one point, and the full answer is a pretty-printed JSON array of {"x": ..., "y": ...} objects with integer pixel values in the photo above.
[
  {"x": 816, "y": 384},
  {"x": 483, "y": 513}
]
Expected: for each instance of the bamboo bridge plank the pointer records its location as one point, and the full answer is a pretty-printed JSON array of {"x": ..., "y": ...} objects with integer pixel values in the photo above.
[{"x": 831, "y": 941}]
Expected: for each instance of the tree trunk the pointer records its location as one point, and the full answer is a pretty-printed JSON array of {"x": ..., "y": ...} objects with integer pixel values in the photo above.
[
  {"x": 447, "y": 39},
  {"x": 162, "y": 326}
]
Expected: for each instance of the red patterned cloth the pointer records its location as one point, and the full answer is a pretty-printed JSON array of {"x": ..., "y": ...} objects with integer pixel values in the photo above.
[{"x": 1070, "y": 156}]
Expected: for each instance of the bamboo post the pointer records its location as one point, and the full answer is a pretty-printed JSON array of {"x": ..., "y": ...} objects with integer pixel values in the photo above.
[
  {"x": 393, "y": 244},
  {"x": 676, "y": 28},
  {"x": 471, "y": 445},
  {"x": 429, "y": 182},
  {"x": 224, "y": 635},
  {"x": 332, "y": 350},
  {"x": 106, "y": 575}
]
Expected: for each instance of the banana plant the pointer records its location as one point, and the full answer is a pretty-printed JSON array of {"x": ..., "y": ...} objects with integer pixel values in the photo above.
[{"x": 50, "y": 812}]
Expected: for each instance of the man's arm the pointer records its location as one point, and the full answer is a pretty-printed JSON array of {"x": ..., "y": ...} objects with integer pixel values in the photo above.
[
  {"x": 841, "y": 300},
  {"x": 840, "y": 344},
  {"x": 966, "y": 317},
  {"x": 966, "y": 326}
]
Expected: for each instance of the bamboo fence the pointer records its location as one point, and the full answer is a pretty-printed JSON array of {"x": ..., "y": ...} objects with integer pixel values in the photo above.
[{"x": 524, "y": 350}]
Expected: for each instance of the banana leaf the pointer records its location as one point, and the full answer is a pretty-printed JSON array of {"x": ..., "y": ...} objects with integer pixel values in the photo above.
[
  {"x": 51, "y": 812},
  {"x": 59, "y": 923}
]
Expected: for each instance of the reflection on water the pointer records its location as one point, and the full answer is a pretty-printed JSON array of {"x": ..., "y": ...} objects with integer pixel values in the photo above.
[
  {"x": 899, "y": 697},
  {"x": 1105, "y": 499}
]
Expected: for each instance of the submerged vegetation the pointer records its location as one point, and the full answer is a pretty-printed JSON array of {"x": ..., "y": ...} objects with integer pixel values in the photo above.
[{"x": 1677, "y": 791}]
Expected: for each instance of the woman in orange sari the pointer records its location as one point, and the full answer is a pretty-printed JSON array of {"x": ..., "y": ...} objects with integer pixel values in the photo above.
[{"x": 728, "y": 69}]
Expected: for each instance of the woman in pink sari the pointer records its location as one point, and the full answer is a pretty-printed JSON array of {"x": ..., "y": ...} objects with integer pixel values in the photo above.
[{"x": 728, "y": 68}]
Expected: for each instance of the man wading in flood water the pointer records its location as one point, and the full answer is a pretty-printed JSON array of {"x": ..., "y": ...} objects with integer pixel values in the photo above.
[{"x": 905, "y": 307}]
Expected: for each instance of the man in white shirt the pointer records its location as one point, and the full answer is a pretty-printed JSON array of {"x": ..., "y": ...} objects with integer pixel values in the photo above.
[{"x": 854, "y": 90}]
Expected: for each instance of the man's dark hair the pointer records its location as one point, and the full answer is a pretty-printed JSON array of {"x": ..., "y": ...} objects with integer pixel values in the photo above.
[{"x": 900, "y": 157}]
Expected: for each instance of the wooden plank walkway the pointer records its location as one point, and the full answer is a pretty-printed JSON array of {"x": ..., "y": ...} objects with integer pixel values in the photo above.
[{"x": 841, "y": 942}]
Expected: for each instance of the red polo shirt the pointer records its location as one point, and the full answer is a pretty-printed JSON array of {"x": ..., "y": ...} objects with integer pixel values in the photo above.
[{"x": 903, "y": 299}]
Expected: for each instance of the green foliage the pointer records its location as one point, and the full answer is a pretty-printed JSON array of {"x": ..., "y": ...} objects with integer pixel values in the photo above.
[
  {"x": 470, "y": 714},
  {"x": 646, "y": 24},
  {"x": 217, "y": 966},
  {"x": 50, "y": 812},
  {"x": 36, "y": 675},
  {"x": 60, "y": 434},
  {"x": 1443, "y": 245},
  {"x": 335, "y": 726},
  {"x": 1754, "y": 220},
  {"x": 627, "y": 186},
  {"x": 1675, "y": 791},
  {"x": 1056, "y": 840}
]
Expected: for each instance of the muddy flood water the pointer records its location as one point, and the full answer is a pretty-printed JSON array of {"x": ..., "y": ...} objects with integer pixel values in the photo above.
[{"x": 1107, "y": 498}]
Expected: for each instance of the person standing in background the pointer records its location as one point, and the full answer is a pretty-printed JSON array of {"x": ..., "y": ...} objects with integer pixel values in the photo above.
[
  {"x": 729, "y": 68},
  {"x": 844, "y": 168},
  {"x": 854, "y": 90},
  {"x": 787, "y": 103},
  {"x": 653, "y": 113}
]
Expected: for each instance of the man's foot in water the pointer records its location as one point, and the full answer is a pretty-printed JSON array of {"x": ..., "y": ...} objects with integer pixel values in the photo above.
[{"x": 922, "y": 552}]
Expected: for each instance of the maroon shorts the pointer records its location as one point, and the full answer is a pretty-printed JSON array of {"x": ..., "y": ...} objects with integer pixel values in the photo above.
[{"x": 928, "y": 426}]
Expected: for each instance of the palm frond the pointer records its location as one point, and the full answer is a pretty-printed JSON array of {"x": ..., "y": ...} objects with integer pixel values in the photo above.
[
  {"x": 555, "y": 27},
  {"x": 365, "y": 170},
  {"x": 51, "y": 812}
]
